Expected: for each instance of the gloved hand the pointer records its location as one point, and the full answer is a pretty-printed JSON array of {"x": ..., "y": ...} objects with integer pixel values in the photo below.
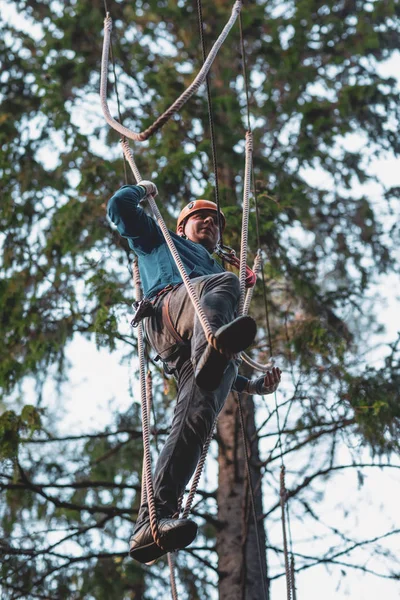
[
  {"x": 251, "y": 277},
  {"x": 149, "y": 186},
  {"x": 266, "y": 384}
]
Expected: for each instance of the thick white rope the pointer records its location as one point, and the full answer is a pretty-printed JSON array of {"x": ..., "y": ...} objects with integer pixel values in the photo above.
[
  {"x": 245, "y": 220},
  {"x": 179, "y": 102},
  {"x": 263, "y": 368},
  {"x": 244, "y": 303},
  {"x": 249, "y": 294}
]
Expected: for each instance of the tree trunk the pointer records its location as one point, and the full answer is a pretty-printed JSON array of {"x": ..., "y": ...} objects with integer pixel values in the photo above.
[{"x": 242, "y": 575}]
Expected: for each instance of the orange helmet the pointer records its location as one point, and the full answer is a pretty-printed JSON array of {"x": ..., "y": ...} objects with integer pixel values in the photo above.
[{"x": 196, "y": 206}]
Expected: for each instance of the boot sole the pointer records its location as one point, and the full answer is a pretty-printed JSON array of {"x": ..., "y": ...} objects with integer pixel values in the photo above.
[
  {"x": 236, "y": 337},
  {"x": 177, "y": 538}
]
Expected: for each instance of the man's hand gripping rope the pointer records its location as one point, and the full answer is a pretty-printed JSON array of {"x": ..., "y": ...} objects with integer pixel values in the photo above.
[
  {"x": 266, "y": 384},
  {"x": 149, "y": 187}
]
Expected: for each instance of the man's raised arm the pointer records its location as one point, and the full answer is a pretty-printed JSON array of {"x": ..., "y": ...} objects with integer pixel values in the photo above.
[{"x": 131, "y": 220}]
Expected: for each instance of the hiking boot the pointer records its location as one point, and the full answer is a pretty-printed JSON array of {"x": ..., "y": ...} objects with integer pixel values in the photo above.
[
  {"x": 233, "y": 337},
  {"x": 175, "y": 534}
]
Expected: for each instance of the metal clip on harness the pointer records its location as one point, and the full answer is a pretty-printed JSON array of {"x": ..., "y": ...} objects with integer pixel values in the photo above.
[{"x": 143, "y": 308}]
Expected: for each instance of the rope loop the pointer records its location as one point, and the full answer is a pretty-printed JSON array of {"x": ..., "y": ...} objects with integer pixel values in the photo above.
[{"x": 179, "y": 102}]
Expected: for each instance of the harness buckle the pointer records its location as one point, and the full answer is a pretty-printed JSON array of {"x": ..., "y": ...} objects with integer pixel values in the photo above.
[
  {"x": 143, "y": 308},
  {"x": 225, "y": 252}
]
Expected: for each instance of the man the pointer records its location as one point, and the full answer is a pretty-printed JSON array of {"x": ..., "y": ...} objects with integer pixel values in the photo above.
[{"x": 204, "y": 375}]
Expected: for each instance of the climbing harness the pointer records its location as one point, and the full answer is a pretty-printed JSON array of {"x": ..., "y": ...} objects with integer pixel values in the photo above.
[{"x": 145, "y": 306}]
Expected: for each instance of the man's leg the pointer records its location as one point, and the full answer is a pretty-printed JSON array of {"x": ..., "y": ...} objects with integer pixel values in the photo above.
[
  {"x": 193, "y": 420},
  {"x": 196, "y": 408}
]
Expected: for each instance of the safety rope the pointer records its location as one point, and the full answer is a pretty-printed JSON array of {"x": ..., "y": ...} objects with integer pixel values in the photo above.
[
  {"x": 179, "y": 102},
  {"x": 171, "y": 564},
  {"x": 283, "y": 497},
  {"x": 149, "y": 404},
  {"x": 290, "y": 572},
  {"x": 145, "y": 416},
  {"x": 211, "y": 123},
  {"x": 198, "y": 473},
  {"x": 245, "y": 220}
]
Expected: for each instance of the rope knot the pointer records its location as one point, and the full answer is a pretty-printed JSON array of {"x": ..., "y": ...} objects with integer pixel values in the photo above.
[
  {"x": 108, "y": 22},
  {"x": 237, "y": 7}
]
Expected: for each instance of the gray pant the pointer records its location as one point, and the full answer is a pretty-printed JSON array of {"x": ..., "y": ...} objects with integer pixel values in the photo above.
[{"x": 196, "y": 409}]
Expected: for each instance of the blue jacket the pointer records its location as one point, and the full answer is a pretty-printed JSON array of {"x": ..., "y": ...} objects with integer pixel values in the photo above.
[{"x": 156, "y": 265}]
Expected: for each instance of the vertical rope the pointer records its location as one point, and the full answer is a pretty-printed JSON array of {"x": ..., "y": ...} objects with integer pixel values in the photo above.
[
  {"x": 171, "y": 563},
  {"x": 149, "y": 404},
  {"x": 244, "y": 70},
  {"x": 198, "y": 473},
  {"x": 147, "y": 493},
  {"x": 283, "y": 497},
  {"x": 245, "y": 221},
  {"x": 145, "y": 415},
  {"x": 111, "y": 53},
  {"x": 211, "y": 122},
  {"x": 247, "y": 93},
  {"x": 283, "y": 493},
  {"x": 292, "y": 577}
]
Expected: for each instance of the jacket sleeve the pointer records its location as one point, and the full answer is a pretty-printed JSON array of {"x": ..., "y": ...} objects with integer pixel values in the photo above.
[
  {"x": 239, "y": 384},
  {"x": 131, "y": 220}
]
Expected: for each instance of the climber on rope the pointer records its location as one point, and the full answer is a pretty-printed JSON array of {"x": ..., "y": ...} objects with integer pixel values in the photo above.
[{"x": 204, "y": 374}]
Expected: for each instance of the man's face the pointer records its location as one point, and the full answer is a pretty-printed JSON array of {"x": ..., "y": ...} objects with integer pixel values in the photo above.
[{"x": 202, "y": 228}]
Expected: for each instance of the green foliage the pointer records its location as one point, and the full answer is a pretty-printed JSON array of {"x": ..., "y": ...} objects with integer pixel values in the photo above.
[
  {"x": 375, "y": 397},
  {"x": 314, "y": 81},
  {"x": 12, "y": 426}
]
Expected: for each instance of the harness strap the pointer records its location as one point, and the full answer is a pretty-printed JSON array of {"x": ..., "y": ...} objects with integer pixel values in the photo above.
[{"x": 168, "y": 322}]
